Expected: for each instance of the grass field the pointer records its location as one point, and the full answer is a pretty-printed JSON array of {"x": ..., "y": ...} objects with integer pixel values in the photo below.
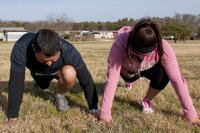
[{"x": 38, "y": 113}]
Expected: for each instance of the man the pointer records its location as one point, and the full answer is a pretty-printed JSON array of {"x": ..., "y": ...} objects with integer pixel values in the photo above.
[{"x": 47, "y": 57}]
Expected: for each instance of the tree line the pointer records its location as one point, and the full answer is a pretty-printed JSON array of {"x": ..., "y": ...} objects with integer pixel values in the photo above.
[{"x": 182, "y": 26}]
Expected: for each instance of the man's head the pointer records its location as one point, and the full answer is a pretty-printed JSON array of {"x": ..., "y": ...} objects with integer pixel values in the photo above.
[
  {"x": 47, "y": 46},
  {"x": 47, "y": 42}
]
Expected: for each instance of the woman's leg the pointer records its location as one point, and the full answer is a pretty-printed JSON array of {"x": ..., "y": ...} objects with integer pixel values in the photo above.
[
  {"x": 151, "y": 93},
  {"x": 158, "y": 81},
  {"x": 128, "y": 81}
]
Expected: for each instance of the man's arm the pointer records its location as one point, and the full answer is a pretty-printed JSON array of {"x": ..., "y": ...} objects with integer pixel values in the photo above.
[
  {"x": 15, "y": 93},
  {"x": 87, "y": 83},
  {"x": 17, "y": 76},
  {"x": 72, "y": 57}
]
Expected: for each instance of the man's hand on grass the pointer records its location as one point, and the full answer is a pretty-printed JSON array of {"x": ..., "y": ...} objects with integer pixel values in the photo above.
[{"x": 11, "y": 122}]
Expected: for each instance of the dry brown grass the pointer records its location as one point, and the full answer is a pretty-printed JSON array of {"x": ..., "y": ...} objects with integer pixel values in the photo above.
[{"x": 38, "y": 113}]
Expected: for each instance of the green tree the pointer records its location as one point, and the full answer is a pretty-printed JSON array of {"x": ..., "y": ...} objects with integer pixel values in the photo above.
[{"x": 175, "y": 28}]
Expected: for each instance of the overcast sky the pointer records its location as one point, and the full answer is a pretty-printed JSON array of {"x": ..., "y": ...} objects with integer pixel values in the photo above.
[{"x": 95, "y": 10}]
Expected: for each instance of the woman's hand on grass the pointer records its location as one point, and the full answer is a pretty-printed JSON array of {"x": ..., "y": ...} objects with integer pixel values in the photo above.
[{"x": 195, "y": 122}]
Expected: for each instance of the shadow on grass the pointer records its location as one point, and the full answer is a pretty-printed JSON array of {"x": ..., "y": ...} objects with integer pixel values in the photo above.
[
  {"x": 138, "y": 107},
  {"x": 169, "y": 112},
  {"x": 132, "y": 103},
  {"x": 47, "y": 94}
]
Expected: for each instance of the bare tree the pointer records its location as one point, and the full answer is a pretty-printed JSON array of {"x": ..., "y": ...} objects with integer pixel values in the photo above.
[{"x": 60, "y": 23}]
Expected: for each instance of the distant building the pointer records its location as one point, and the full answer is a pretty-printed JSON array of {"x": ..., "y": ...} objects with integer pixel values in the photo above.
[
  {"x": 85, "y": 33},
  {"x": 105, "y": 34},
  {"x": 11, "y": 33},
  {"x": 1, "y": 36},
  {"x": 169, "y": 37},
  {"x": 95, "y": 34}
]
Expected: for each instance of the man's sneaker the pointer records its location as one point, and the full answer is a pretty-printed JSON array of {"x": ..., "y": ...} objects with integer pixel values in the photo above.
[
  {"x": 61, "y": 103},
  {"x": 94, "y": 111},
  {"x": 35, "y": 85},
  {"x": 128, "y": 86},
  {"x": 147, "y": 107}
]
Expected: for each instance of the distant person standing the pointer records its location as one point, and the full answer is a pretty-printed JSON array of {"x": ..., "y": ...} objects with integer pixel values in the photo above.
[
  {"x": 141, "y": 52},
  {"x": 47, "y": 57},
  {"x": 175, "y": 38}
]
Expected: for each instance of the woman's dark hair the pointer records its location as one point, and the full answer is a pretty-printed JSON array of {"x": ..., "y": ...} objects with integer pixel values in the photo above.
[
  {"x": 145, "y": 37},
  {"x": 46, "y": 42}
]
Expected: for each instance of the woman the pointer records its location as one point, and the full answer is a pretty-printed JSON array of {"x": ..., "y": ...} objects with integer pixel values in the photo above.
[{"x": 141, "y": 52}]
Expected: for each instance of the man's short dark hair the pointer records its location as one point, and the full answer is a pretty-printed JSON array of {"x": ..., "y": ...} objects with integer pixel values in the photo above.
[{"x": 47, "y": 42}]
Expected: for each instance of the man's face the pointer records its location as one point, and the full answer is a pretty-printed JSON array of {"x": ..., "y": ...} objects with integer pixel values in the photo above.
[{"x": 47, "y": 60}]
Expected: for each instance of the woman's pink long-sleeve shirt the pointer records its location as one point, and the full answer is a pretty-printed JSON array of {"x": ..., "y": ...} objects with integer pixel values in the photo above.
[{"x": 118, "y": 54}]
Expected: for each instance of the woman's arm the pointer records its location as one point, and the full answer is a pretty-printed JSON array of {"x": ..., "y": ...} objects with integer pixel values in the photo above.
[
  {"x": 112, "y": 77},
  {"x": 178, "y": 82}
]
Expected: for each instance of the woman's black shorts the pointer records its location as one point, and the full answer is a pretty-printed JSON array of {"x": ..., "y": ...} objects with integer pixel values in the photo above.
[{"x": 157, "y": 76}]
